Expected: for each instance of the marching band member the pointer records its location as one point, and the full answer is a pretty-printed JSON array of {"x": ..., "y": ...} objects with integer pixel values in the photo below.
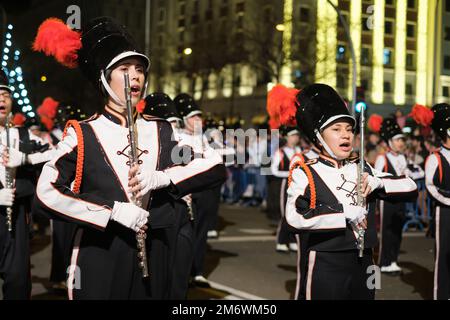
[
  {"x": 180, "y": 234},
  {"x": 280, "y": 169},
  {"x": 26, "y": 150},
  {"x": 322, "y": 200},
  {"x": 392, "y": 212},
  {"x": 90, "y": 181},
  {"x": 437, "y": 180}
]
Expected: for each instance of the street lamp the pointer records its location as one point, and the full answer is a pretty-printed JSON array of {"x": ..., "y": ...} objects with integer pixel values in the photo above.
[{"x": 187, "y": 51}]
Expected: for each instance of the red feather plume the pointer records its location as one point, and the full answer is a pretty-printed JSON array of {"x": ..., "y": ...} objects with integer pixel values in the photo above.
[
  {"x": 19, "y": 119},
  {"x": 140, "y": 106},
  {"x": 422, "y": 115},
  {"x": 374, "y": 122},
  {"x": 48, "y": 108},
  {"x": 281, "y": 106},
  {"x": 55, "y": 38}
]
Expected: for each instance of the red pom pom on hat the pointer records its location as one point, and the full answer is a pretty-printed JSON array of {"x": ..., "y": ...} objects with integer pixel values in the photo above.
[
  {"x": 281, "y": 106},
  {"x": 55, "y": 38},
  {"x": 374, "y": 122},
  {"x": 422, "y": 115}
]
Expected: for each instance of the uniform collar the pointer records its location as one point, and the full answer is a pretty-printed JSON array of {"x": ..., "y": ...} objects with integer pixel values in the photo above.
[
  {"x": 445, "y": 148},
  {"x": 328, "y": 161},
  {"x": 116, "y": 117}
]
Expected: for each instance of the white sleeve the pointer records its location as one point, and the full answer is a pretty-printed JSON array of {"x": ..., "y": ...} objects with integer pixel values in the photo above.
[
  {"x": 380, "y": 163},
  {"x": 431, "y": 165},
  {"x": 394, "y": 185},
  {"x": 323, "y": 217},
  {"x": 54, "y": 194},
  {"x": 276, "y": 159}
]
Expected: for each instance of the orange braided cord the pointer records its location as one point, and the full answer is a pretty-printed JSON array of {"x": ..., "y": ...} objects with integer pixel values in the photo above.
[
  {"x": 312, "y": 185},
  {"x": 80, "y": 156}
]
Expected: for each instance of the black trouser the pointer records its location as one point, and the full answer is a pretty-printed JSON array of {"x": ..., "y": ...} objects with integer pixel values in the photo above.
[
  {"x": 213, "y": 216},
  {"x": 62, "y": 238},
  {"x": 392, "y": 220},
  {"x": 15, "y": 254},
  {"x": 203, "y": 204},
  {"x": 442, "y": 262},
  {"x": 339, "y": 275},
  {"x": 273, "y": 198},
  {"x": 104, "y": 266},
  {"x": 183, "y": 257}
]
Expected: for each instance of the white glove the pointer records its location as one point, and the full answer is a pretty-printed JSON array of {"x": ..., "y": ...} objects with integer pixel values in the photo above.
[
  {"x": 16, "y": 158},
  {"x": 152, "y": 180},
  {"x": 374, "y": 183},
  {"x": 6, "y": 197},
  {"x": 354, "y": 214},
  {"x": 129, "y": 215}
]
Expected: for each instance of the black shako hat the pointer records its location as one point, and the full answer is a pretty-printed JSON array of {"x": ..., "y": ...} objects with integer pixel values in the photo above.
[
  {"x": 186, "y": 105},
  {"x": 104, "y": 43},
  {"x": 4, "y": 82},
  {"x": 160, "y": 105},
  {"x": 441, "y": 120},
  {"x": 318, "y": 105},
  {"x": 390, "y": 130}
]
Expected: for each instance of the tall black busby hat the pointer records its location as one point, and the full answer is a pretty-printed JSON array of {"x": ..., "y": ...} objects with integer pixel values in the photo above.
[
  {"x": 186, "y": 105},
  {"x": 159, "y": 105},
  {"x": 100, "y": 44},
  {"x": 318, "y": 105},
  {"x": 390, "y": 130},
  {"x": 441, "y": 120},
  {"x": 4, "y": 82}
]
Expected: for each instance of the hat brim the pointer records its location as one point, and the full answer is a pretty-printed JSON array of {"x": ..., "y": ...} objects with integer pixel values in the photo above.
[
  {"x": 193, "y": 113},
  {"x": 337, "y": 117},
  {"x": 2, "y": 86},
  {"x": 129, "y": 54}
]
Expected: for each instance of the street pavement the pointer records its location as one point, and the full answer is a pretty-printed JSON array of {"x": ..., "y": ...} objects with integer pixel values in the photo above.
[{"x": 243, "y": 264}]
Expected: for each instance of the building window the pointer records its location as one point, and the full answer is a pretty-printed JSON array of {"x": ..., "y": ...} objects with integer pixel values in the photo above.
[
  {"x": 181, "y": 36},
  {"x": 240, "y": 22},
  {"x": 366, "y": 25},
  {"x": 196, "y": 6},
  {"x": 389, "y": 27},
  {"x": 240, "y": 7},
  {"x": 447, "y": 5},
  {"x": 340, "y": 81},
  {"x": 447, "y": 34},
  {"x": 304, "y": 14},
  {"x": 447, "y": 62},
  {"x": 411, "y": 30},
  {"x": 365, "y": 56},
  {"x": 182, "y": 8},
  {"x": 268, "y": 13},
  {"x": 409, "y": 89},
  {"x": 445, "y": 91},
  {"x": 340, "y": 53},
  {"x": 388, "y": 58},
  {"x": 390, "y": 2},
  {"x": 160, "y": 40},
  {"x": 181, "y": 23},
  {"x": 162, "y": 14},
  {"x": 411, "y": 4},
  {"x": 387, "y": 87},
  {"x": 365, "y": 84},
  {"x": 410, "y": 61}
]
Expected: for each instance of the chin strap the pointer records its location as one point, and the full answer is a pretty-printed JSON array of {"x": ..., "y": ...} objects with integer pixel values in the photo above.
[
  {"x": 325, "y": 145},
  {"x": 110, "y": 91},
  {"x": 448, "y": 133}
]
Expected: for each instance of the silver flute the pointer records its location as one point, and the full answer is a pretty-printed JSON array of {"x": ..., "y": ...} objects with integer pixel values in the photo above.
[
  {"x": 9, "y": 175},
  {"x": 361, "y": 199},
  {"x": 140, "y": 235}
]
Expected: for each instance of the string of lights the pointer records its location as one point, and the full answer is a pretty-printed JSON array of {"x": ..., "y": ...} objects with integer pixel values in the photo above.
[{"x": 10, "y": 63}]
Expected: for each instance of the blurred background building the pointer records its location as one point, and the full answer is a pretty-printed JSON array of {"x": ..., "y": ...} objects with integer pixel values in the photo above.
[{"x": 228, "y": 53}]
